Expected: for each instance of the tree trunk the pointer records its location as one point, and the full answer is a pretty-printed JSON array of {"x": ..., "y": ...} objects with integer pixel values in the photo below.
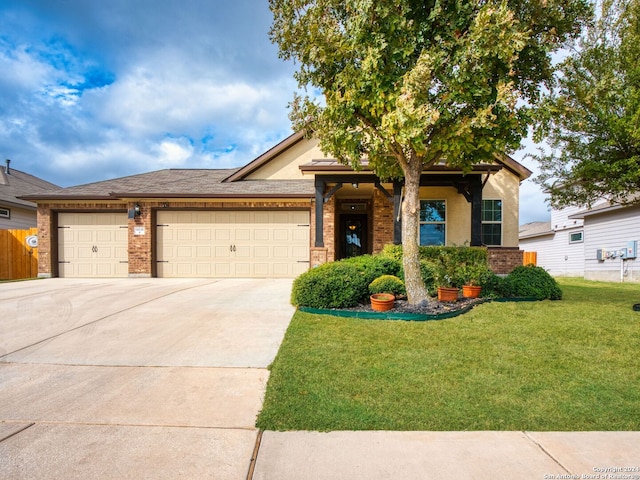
[{"x": 416, "y": 291}]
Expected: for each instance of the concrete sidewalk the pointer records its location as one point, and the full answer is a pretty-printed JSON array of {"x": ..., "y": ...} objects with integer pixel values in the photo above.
[{"x": 435, "y": 455}]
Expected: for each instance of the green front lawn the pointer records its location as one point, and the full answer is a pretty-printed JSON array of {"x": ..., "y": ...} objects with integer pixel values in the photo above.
[{"x": 569, "y": 365}]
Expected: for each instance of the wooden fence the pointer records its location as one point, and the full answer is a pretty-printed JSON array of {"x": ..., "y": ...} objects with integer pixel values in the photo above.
[
  {"x": 530, "y": 258},
  {"x": 17, "y": 259}
]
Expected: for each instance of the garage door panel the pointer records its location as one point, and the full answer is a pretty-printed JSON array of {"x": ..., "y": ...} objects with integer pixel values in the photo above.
[
  {"x": 242, "y": 243},
  {"x": 203, "y": 234},
  {"x": 185, "y": 234},
  {"x": 203, "y": 252},
  {"x": 223, "y": 233},
  {"x": 299, "y": 253},
  {"x": 243, "y": 234}
]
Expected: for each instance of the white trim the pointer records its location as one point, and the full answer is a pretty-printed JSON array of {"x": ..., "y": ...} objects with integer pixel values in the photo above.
[
  {"x": 581, "y": 232},
  {"x": 501, "y": 222},
  {"x": 5, "y": 212}
]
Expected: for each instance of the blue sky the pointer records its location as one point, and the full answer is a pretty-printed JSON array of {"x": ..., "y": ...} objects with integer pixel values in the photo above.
[{"x": 92, "y": 90}]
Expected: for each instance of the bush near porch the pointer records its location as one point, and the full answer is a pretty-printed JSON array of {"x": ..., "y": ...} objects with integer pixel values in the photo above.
[{"x": 345, "y": 283}]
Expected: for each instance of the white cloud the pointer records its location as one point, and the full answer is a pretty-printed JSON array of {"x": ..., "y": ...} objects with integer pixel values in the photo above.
[{"x": 173, "y": 152}]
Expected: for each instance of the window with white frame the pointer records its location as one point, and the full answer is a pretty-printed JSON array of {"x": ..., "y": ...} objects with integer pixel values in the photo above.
[
  {"x": 5, "y": 212},
  {"x": 576, "y": 237},
  {"x": 433, "y": 215},
  {"x": 492, "y": 222}
]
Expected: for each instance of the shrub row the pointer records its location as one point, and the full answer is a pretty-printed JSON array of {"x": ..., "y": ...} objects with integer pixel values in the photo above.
[{"x": 347, "y": 283}]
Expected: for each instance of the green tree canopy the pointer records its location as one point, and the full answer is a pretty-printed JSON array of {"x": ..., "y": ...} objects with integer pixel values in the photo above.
[
  {"x": 591, "y": 120},
  {"x": 410, "y": 83}
]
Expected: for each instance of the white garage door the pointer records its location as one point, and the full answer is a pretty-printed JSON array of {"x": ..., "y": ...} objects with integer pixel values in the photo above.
[
  {"x": 92, "y": 245},
  {"x": 232, "y": 243}
]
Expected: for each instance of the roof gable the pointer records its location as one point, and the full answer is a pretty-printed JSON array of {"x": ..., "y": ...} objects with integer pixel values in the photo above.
[{"x": 298, "y": 152}]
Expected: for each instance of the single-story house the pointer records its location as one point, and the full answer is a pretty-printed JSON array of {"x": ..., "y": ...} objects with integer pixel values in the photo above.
[
  {"x": 15, "y": 212},
  {"x": 597, "y": 243},
  {"x": 289, "y": 209}
]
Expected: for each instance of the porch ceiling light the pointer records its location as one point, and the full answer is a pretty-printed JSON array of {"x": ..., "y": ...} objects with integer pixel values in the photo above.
[{"x": 355, "y": 185}]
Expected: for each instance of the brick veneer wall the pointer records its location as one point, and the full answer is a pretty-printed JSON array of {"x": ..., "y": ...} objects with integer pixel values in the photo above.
[
  {"x": 329, "y": 228},
  {"x": 502, "y": 260},
  {"x": 140, "y": 247},
  {"x": 382, "y": 221}
]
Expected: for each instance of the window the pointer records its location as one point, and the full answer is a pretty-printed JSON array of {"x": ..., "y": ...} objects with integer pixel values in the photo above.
[
  {"x": 5, "y": 212},
  {"x": 576, "y": 237},
  {"x": 432, "y": 222},
  {"x": 492, "y": 222}
]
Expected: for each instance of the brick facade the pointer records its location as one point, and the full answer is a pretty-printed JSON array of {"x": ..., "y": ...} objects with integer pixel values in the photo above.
[
  {"x": 141, "y": 230},
  {"x": 382, "y": 221},
  {"x": 502, "y": 260},
  {"x": 141, "y": 239}
]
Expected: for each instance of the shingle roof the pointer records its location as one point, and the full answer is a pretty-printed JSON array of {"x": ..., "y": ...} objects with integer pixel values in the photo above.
[
  {"x": 195, "y": 183},
  {"x": 535, "y": 229},
  {"x": 17, "y": 184}
]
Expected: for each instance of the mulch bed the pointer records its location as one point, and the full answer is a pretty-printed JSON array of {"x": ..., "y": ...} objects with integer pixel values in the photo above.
[{"x": 432, "y": 307}]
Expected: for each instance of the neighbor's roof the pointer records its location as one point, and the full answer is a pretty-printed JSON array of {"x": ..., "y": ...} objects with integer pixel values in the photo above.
[
  {"x": 535, "y": 229},
  {"x": 606, "y": 207},
  {"x": 182, "y": 183},
  {"x": 17, "y": 184}
]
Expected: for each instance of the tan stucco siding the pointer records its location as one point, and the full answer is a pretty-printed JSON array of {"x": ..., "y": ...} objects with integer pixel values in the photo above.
[
  {"x": 505, "y": 186},
  {"x": 286, "y": 166}
]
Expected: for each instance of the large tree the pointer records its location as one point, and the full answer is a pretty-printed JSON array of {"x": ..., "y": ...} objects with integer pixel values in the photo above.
[
  {"x": 591, "y": 120},
  {"x": 407, "y": 84}
]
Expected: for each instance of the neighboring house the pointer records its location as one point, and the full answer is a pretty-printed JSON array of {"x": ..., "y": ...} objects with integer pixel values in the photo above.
[
  {"x": 587, "y": 242},
  {"x": 287, "y": 210},
  {"x": 16, "y": 213}
]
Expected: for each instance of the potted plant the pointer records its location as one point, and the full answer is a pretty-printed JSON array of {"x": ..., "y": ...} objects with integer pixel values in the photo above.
[
  {"x": 445, "y": 280},
  {"x": 473, "y": 275},
  {"x": 384, "y": 290},
  {"x": 381, "y": 302}
]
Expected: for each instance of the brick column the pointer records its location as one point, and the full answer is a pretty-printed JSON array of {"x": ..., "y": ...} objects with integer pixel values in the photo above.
[
  {"x": 382, "y": 221},
  {"x": 140, "y": 242}
]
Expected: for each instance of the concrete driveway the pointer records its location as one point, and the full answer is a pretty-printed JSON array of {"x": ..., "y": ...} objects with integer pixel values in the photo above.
[{"x": 135, "y": 378}]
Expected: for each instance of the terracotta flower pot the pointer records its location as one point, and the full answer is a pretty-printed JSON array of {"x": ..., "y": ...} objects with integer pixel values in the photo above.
[
  {"x": 471, "y": 291},
  {"x": 447, "y": 294},
  {"x": 381, "y": 302}
]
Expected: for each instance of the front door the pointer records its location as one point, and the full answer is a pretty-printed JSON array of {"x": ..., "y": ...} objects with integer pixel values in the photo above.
[{"x": 353, "y": 239}]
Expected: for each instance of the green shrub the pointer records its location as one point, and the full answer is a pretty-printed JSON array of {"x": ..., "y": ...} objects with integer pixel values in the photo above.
[
  {"x": 492, "y": 286},
  {"x": 428, "y": 274},
  {"x": 531, "y": 282},
  {"x": 387, "y": 284},
  {"x": 374, "y": 266},
  {"x": 332, "y": 285}
]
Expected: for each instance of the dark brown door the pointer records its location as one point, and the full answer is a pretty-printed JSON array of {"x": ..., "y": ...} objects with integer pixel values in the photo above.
[{"x": 353, "y": 239}]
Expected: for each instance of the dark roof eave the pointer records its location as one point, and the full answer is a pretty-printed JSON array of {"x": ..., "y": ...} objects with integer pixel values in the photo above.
[
  {"x": 55, "y": 198},
  {"x": 211, "y": 195},
  {"x": 121, "y": 196}
]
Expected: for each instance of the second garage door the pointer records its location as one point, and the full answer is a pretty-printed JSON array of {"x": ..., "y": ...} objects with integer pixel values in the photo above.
[{"x": 240, "y": 243}]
